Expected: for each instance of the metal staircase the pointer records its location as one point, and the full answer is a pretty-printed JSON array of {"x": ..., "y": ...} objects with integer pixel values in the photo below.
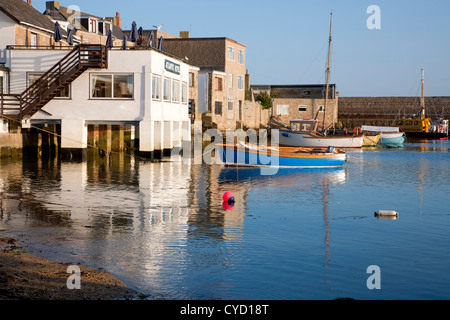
[{"x": 49, "y": 85}]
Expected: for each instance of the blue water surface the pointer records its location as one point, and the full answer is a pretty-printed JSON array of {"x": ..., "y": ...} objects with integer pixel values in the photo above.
[{"x": 300, "y": 234}]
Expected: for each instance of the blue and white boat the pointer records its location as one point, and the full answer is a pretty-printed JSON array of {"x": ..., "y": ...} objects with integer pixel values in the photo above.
[
  {"x": 244, "y": 154},
  {"x": 390, "y": 136}
]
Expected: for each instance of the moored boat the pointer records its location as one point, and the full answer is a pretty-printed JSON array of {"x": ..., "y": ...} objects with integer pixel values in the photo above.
[
  {"x": 421, "y": 127},
  {"x": 392, "y": 139},
  {"x": 303, "y": 133},
  {"x": 244, "y": 154},
  {"x": 371, "y": 139},
  {"x": 389, "y": 136}
]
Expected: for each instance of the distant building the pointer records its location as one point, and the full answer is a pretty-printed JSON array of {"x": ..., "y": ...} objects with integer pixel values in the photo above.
[
  {"x": 302, "y": 102},
  {"x": 23, "y": 26},
  {"x": 221, "y": 79},
  {"x": 89, "y": 28}
]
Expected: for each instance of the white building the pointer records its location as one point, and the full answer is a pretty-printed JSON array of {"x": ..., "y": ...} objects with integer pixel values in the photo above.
[
  {"x": 144, "y": 88},
  {"x": 46, "y": 82}
]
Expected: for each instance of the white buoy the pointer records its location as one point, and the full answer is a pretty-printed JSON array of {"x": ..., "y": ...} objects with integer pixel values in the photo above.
[{"x": 390, "y": 213}]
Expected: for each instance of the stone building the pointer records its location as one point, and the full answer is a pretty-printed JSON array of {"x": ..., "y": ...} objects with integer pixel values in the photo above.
[
  {"x": 24, "y": 26},
  {"x": 221, "y": 78},
  {"x": 88, "y": 28},
  {"x": 302, "y": 102}
]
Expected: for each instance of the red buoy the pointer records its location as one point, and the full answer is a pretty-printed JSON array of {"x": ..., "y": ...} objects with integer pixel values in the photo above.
[{"x": 227, "y": 195}]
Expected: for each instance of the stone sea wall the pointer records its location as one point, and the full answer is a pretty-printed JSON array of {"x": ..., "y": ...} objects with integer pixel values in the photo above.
[{"x": 384, "y": 111}]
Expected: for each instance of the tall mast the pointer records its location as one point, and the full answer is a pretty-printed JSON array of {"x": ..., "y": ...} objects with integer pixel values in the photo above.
[
  {"x": 328, "y": 73},
  {"x": 422, "y": 101}
]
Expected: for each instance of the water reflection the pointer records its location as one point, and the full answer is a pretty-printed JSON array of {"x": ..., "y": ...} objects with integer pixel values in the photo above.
[{"x": 162, "y": 227}]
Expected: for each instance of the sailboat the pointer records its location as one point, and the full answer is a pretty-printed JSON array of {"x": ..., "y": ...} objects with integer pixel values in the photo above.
[
  {"x": 421, "y": 127},
  {"x": 304, "y": 132}
]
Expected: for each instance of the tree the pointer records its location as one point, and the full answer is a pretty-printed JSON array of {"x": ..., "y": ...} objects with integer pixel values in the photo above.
[{"x": 265, "y": 99}]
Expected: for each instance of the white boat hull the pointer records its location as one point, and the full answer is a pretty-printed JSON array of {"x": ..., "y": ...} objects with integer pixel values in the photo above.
[{"x": 311, "y": 140}]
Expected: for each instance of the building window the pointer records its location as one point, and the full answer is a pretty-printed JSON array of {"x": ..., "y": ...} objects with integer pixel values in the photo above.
[
  {"x": 1, "y": 85},
  {"x": 321, "y": 108},
  {"x": 156, "y": 87},
  {"x": 33, "y": 40},
  {"x": 104, "y": 27},
  {"x": 230, "y": 80},
  {"x": 92, "y": 25},
  {"x": 166, "y": 89},
  {"x": 175, "y": 91},
  {"x": 230, "y": 104},
  {"x": 240, "y": 82},
  {"x": 241, "y": 56},
  {"x": 218, "y": 108},
  {"x": 230, "y": 53},
  {"x": 302, "y": 108},
  {"x": 184, "y": 92},
  {"x": 283, "y": 109},
  {"x": 306, "y": 93},
  {"x": 191, "y": 79},
  {"x": 112, "y": 86},
  {"x": 219, "y": 84},
  {"x": 34, "y": 76}
]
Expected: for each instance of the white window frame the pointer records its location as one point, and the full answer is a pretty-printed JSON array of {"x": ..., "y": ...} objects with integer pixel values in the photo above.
[
  {"x": 321, "y": 108},
  {"x": 169, "y": 89},
  {"x": 241, "y": 56},
  {"x": 184, "y": 92},
  {"x": 282, "y": 109},
  {"x": 175, "y": 91},
  {"x": 91, "y": 88},
  {"x": 240, "y": 82},
  {"x": 156, "y": 87},
  {"x": 303, "y": 107},
  {"x": 230, "y": 53}
]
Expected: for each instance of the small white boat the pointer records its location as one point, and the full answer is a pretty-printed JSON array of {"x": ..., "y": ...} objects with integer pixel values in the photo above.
[{"x": 303, "y": 133}]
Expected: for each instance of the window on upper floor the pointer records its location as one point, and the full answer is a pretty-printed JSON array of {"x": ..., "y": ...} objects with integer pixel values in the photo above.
[
  {"x": 240, "y": 82},
  {"x": 230, "y": 53},
  {"x": 191, "y": 79},
  {"x": 184, "y": 93},
  {"x": 112, "y": 86},
  {"x": 241, "y": 56},
  {"x": 166, "y": 89},
  {"x": 93, "y": 25},
  {"x": 156, "y": 87},
  {"x": 175, "y": 91},
  {"x": 230, "y": 80},
  {"x": 219, "y": 83},
  {"x": 104, "y": 27}
]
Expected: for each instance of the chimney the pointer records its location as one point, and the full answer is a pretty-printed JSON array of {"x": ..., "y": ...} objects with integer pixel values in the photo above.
[
  {"x": 51, "y": 5},
  {"x": 117, "y": 20},
  {"x": 29, "y": 2},
  {"x": 184, "y": 34}
]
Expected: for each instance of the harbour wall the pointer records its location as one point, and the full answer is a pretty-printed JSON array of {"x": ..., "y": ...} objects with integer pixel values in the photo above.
[{"x": 384, "y": 111}]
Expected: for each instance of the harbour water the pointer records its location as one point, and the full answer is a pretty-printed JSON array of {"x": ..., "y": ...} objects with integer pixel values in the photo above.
[{"x": 300, "y": 234}]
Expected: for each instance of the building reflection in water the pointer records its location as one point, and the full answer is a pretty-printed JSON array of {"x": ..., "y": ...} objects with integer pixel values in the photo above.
[{"x": 147, "y": 222}]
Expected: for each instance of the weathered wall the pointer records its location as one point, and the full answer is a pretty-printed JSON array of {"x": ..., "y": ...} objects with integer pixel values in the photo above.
[{"x": 384, "y": 111}]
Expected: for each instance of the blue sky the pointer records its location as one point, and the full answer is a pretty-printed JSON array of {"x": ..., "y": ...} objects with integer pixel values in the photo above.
[{"x": 287, "y": 40}]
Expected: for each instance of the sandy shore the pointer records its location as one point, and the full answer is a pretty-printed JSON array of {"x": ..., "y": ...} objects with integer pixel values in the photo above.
[{"x": 24, "y": 276}]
